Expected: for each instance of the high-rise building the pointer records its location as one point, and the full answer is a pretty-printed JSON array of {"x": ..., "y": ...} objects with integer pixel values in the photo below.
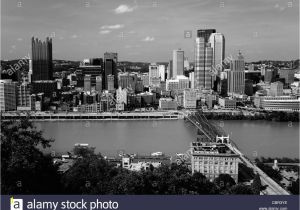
[
  {"x": 276, "y": 89},
  {"x": 87, "y": 83},
  {"x": 24, "y": 102},
  {"x": 205, "y": 33},
  {"x": 236, "y": 75},
  {"x": 203, "y": 64},
  {"x": 178, "y": 62},
  {"x": 170, "y": 70},
  {"x": 162, "y": 72},
  {"x": 217, "y": 42},
  {"x": 110, "y": 68},
  {"x": 110, "y": 83},
  {"x": 154, "y": 79},
  {"x": 99, "y": 83},
  {"x": 92, "y": 67},
  {"x": 145, "y": 79},
  {"x": 189, "y": 99},
  {"x": 8, "y": 95},
  {"x": 42, "y": 67},
  {"x": 128, "y": 80}
]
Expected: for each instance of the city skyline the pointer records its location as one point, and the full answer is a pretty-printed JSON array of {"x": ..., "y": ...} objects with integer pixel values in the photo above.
[{"x": 137, "y": 29}]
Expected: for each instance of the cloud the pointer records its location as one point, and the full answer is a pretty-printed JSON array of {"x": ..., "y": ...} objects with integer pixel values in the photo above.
[
  {"x": 148, "y": 39},
  {"x": 20, "y": 39},
  {"x": 123, "y": 8},
  {"x": 117, "y": 26},
  {"x": 105, "y": 32},
  {"x": 74, "y": 36}
]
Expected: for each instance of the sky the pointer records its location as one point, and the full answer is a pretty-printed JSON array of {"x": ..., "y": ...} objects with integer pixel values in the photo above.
[{"x": 149, "y": 30}]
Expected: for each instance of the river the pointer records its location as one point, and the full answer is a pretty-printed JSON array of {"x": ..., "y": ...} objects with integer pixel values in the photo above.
[{"x": 254, "y": 138}]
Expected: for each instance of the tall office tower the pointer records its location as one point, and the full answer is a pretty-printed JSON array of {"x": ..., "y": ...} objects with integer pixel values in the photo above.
[
  {"x": 154, "y": 75},
  {"x": 276, "y": 89},
  {"x": 93, "y": 67},
  {"x": 236, "y": 75},
  {"x": 99, "y": 83},
  {"x": 178, "y": 62},
  {"x": 110, "y": 68},
  {"x": 110, "y": 83},
  {"x": 186, "y": 64},
  {"x": 87, "y": 82},
  {"x": 42, "y": 67},
  {"x": 162, "y": 72},
  {"x": 205, "y": 33},
  {"x": 145, "y": 79},
  {"x": 127, "y": 80},
  {"x": 203, "y": 64},
  {"x": 192, "y": 79},
  {"x": 170, "y": 70},
  {"x": 24, "y": 102},
  {"x": 8, "y": 95},
  {"x": 217, "y": 42}
]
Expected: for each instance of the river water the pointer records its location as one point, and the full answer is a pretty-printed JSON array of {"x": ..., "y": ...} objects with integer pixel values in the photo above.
[{"x": 254, "y": 138}]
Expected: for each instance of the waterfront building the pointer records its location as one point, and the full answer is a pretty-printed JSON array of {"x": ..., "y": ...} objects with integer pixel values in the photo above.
[
  {"x": 276, "y": 89},
  {"x": 236, "y": 75},
  {"x": 203, "y": 64},
  {"x": 280, "y": 103},
  {"x": 167, "y": 104},
  {"x": 137, "y": 163},
  {"x": 162, "y": 72},
  {"x": 99, "y": 84},
  {"x": 110, "y": 68},
  {"x": 41, "y": 58},
  {"x": 178, "y": 84},
  {"x": 24, "y": 99},
  {"x": 227, "y": 103},
  {"x": 8, "y": 95},
  {"x": 178, "y": 62},
  {"x": 87, "y": 83},
  {"x": 189, "y": 99},
  {"x": 214, "y": 158}
]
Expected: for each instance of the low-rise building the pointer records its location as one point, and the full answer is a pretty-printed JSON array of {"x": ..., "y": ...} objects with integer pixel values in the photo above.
[
  {"x": 167, "y": 104},
  {"x": 227, "y": 103},
  {"x": 214, "y": 158}
]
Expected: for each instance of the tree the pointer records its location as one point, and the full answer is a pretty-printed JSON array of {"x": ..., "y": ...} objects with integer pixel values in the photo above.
[
  {"x": 256, "y": 185},
  {"x": 241, "y": 189},
  {"x": 224, "y": 182},
  {"x": 25, "y": 169},
  {"x": 294, "y": 188},
  {"x": 245, "y": 173}
]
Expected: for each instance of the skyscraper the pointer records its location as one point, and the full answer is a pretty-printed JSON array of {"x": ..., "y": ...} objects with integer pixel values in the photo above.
[
  {"x": 42, "y": 67},
  {"x": 8, "y": 95},
  {"x": 178, "y": 62},
  {"x": 236, "y": 75},
  {"x": 203, "y": 64},
  {"x": 87, "y": 82},
  {"x": 217, "y": 42},
  {"x": 99, "y": 83},
  {"x": 205, "y": 33},
  {"x": 110, "y": 68}
]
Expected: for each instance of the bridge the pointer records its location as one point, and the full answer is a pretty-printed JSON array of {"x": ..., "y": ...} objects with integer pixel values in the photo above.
[{"x": 211, "y": 130}]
